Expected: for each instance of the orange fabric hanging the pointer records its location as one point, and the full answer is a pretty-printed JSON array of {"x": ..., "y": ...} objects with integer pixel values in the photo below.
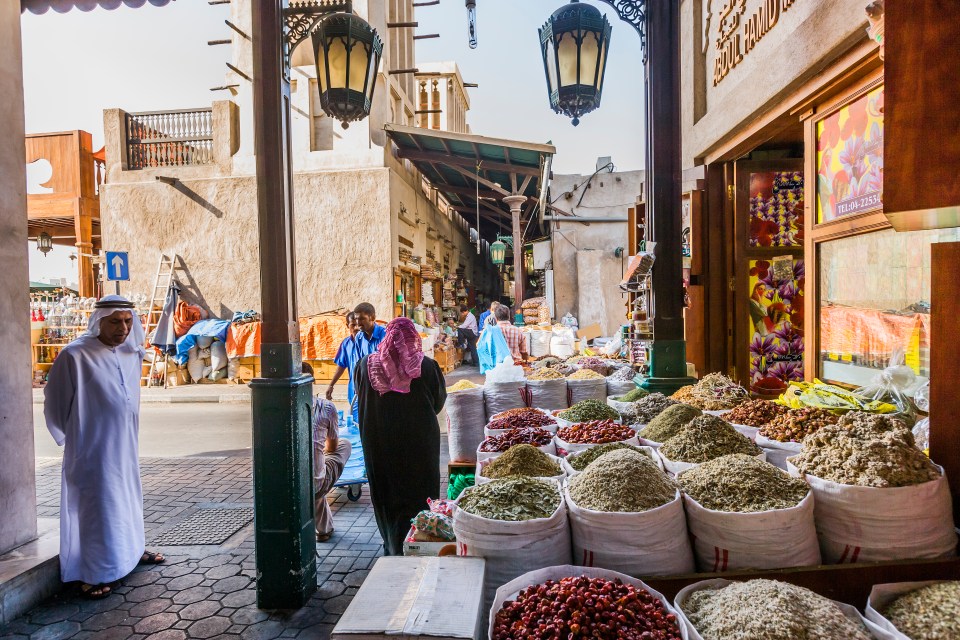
[
  {"x": 243, "y": 340},
  {"x": 321, "y": 335},
  {"x": 185, "y": 317}
]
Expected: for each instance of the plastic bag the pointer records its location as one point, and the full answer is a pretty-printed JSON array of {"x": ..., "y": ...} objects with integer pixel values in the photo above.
[
  {"x": 612, "y": 347},
  {"x": 435, "y": 524},
  {"x": 891, "y": 384},
  {"x": 443, "y": 507},
  {"x": 506, "y": 371},
  {"x": 921, "y": 434}
]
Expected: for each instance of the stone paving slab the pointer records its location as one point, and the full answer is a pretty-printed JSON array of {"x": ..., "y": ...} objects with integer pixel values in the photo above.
[{"x": 205, "y": 591}]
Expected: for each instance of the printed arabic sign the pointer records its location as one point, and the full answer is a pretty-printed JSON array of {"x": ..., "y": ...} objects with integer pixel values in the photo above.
[{"x": 737, "y": 31}]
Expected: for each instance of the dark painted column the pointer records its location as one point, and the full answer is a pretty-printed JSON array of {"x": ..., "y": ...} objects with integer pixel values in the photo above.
[{"x": 281, "y": 399}]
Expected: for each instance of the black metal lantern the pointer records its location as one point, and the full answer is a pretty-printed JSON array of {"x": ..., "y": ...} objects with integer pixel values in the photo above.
[
  {"x": 574, "y": 43},
  {"x": 348, "y": 52},
  {"x": 44, "y": 243}
]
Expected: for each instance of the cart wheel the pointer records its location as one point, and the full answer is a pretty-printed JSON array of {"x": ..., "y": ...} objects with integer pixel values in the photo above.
[{"x": 354, "y": 491}]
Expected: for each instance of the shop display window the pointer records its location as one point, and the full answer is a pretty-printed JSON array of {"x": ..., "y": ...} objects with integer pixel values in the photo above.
[
  {"x": 874, "y": 292},
  {"x": 850, "y": 159}
]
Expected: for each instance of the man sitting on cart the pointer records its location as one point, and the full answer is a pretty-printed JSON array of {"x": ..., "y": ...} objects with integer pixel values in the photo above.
[{"x": 330, "y": 455}]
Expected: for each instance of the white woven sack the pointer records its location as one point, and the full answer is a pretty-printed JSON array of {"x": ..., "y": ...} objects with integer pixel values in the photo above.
[
  {"x": 724, "y": 541},
  {"x": 850, "y": 612},
  {"x": 566, "y": 448},
  {"x": 512, "y": 548},
  {"x": 218, "y": 355},
  {"x": 578, "y": 390},
  {"x": 676, "y": 467},
  {"x": 874, "y": 524},
  {"x": 650, "y": 452},
  {"x": 778, "y": 452},
  {"x": 500, "y": 396},
  {"x": 486, "y": 457},
  {"x": 747, "y": 430},
  {"x": 619, "y": 387},
  {"x": 883, "y": 594},
  {"x": 651, "y": 543},
  {"x": 647, "y": 443},
  {"x": 466, "y": 416},
  {"x": 717, "y": 412},
  {"x": 540, "y": 343},
  {"x": 510, "y": 590},
  {"x": 195, "y": 364},
  {"x": 559, "y": 478},
  {"x": 549, "y": 394},
  {"x": 623, "y": 408}
]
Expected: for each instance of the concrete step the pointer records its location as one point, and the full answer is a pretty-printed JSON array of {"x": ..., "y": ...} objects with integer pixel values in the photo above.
[{"x": 31, "y": 573}]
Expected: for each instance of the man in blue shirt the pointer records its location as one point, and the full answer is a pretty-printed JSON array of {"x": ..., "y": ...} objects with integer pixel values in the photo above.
[
  {"x": 368, "y": 339},
  {"x": 346, "y": 359},
  {"x": 486, "y": 314}
]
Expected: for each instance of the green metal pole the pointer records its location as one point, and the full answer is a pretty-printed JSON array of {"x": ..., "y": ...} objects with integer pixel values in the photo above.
[{"x": 281, "y": 398}]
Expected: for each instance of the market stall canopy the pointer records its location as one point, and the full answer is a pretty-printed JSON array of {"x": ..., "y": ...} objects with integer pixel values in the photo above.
[
  {"x": 62, "y": 6},
  {"x": 474, "y": 172}
]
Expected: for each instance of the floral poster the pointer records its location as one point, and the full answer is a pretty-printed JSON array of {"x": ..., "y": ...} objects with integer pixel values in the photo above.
[
  {"x": 850, "y": 159},
  {"x": 776, "y": 324},
  {"x": 776, "y": 209}
]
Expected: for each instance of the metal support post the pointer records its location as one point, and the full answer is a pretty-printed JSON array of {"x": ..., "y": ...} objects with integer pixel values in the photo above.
[
  {"x": 281, "y": 399},
  {"x": 514, "y": 202}
]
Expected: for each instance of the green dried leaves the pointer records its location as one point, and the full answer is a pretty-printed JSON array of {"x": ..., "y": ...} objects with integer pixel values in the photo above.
[
  {"x": 706, "y": 438},
  {"x": 742, "y": 484},
  {"x": 512, "y": 499}
]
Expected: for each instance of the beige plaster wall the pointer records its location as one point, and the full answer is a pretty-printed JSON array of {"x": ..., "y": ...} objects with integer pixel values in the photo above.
[
  {"x": 805, "y": 38},
  {"x": 18, "y": 522}
]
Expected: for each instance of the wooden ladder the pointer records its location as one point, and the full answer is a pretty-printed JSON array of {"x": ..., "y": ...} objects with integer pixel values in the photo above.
[{"x": 166, "y": 267}]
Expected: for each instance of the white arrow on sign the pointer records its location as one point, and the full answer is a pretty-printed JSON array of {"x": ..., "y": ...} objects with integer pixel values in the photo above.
[{"x": 117, "y": 263}]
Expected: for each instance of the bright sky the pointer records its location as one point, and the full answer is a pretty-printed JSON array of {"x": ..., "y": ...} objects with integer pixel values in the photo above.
[{"x": 78, "y": 64}]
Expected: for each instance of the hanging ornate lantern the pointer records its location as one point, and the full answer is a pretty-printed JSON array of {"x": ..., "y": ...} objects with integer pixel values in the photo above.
[
  {"x": 498, "y": 251},
  {"x": 528, "y": 262},
  {"x": 574, "y": 43},
  {"x": 348, "y": 52},
  {"x": 44, "y": 243}
]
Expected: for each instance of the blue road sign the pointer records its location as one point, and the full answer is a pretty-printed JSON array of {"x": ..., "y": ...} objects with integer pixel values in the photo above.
[{"x": 118, "y": 265}]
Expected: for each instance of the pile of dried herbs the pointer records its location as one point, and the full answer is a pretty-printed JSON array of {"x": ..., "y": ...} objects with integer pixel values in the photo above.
[
  {"x": 522, "y": 460},
  {"x": 579, "y": 461},
  {"x": 585, "y": 374},
  {"x": 768, "y": 610},
  {"x": 650, "y": 406},
  {"x": 927, "y": 613},
  {"x": 706, "y": 438},
  {"x": 589, "y": 410},
  {"x": 633, "y": 395},
  {"x": 545, "y": 373},
  {"x": 669, "y": 422},
  {"x": 742, "y": 484},
  {"x": 716, "y": 392},
  {"x": 865, "y": 450},
  {"x": 623, "y": 374},
  {"x": 512, "y": 499},
  {"x": 622, "y": 481}
]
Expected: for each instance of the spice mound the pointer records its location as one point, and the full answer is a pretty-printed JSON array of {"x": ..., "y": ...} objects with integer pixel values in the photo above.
[
  {"x": 768, "y": 609},
  {"x": 512, "y": 499},
  {"x": 522, "y": 460},
  {"x": 742, "y": 484},
  {"x": 623, "y": 374},
  {"x": 867, "y": 451},
  {"x": 579, "y": 461},
  {"x": 514, "y": 412},
  {"x": 528, "y": 419},
  {"x": 684, "y": 394},
  {"x": 650, "y": 407},
  {"x": 585, "y": 374},
  {"x": 594, "y": 364},
  {"x": 545, "y": 373},
  {"x": 533, "y": 435},
  {"x": 633, "y": 395},
  {"x": 793, "y": 425},
  {"x": 669, "y": 422},
  {"x": 716, "y": 391},
  {"x": 463, "y": 385},
  {"x": 560, "y": 609},
  {"x": 622, "y": 481},
  {"x": 589, "y": 410},
  {"x": 706, "y": 438},
  {"x": 755, "y": 413},
  {"x": 595, "y": 432},
  {"x": 927, "y": 613}
]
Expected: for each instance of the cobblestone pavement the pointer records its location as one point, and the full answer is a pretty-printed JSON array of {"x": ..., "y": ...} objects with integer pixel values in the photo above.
[{"x": 205, "y": 591}]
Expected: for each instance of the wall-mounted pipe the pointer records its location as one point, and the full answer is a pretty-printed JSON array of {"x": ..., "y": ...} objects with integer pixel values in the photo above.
[{"x": 583, "y": 220}]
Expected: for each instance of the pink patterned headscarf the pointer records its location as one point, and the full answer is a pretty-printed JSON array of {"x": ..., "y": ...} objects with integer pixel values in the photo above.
[{"x": 397, "y": 360}]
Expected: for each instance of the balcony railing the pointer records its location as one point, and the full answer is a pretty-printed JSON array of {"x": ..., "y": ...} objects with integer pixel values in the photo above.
[{"x": 169, "y": 138}]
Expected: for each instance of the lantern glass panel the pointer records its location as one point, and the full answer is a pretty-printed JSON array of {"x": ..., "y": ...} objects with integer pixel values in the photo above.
[
  {"x": 322, "y": 84},
  {"x": 603, "y": 63},
  {"x": 371, "y": 75},
  {"x": 589, "y": 52},
  {"x": 551, "y": 62},
  {"x": 337, "y": 59},
  {"x": 567, "y": 57},
  {"x": 359, "y": 64}
]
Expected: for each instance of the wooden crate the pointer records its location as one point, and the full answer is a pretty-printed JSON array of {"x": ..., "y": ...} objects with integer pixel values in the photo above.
[
  {"x": 323, "y": 370},
  {"x": 248, "y": 368}
]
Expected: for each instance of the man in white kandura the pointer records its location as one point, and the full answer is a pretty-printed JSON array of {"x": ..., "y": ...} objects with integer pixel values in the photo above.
[{"x": 92, "y": 406}]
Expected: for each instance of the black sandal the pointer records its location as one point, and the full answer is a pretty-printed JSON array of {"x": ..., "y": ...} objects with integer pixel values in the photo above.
[
  {"x": 150, "y": 557},
  {"x": 95, "y": 591}
]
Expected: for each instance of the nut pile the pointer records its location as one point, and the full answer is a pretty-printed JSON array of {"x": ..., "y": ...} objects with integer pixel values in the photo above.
[
  {"x": 706, "y": 438},
  {"x": 585, "y": 374},
  {"x": 589, "y": 410},
  {"x": 545, "y": 373},
  {"x": 755, "y": 413},
  {"x": 531, "y": 418},
  {"x": 669, "y": 422},
  {"x": 514, "y": 412},
  {"x": 622, "y": 482},
  {"x": 535, "y": 436},
  {"x": 768, "y": 609},
  {"x": 522, "y": 460},
  {"x": 742, "y": 484},
  {"x": 579, "y": 461},
  {"x": 650, "y": 406},
  {"x": 584, "y": 607},
  {"x": 927, "y": 613},
  {"x": 793, "y": 425},
  {"x": 595, "y": 432},
  {"x": 512, "y": 499},
  {"x": 865, "y": 450}
]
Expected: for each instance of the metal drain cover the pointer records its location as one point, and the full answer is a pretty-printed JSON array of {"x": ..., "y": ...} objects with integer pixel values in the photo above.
[{"x": 206, "y": 526}]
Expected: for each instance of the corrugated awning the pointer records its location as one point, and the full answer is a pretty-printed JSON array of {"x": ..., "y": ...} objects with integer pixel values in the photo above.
[
  {"x": 464, "y": 167},
  {"x": 62, "y": 6}
]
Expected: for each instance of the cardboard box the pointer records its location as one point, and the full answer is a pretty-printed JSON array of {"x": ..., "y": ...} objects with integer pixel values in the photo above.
[
  {"x": 413, "y": 547},
  {"x": 590, "y": 332},
  {"x": 440, "y": 598}
]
